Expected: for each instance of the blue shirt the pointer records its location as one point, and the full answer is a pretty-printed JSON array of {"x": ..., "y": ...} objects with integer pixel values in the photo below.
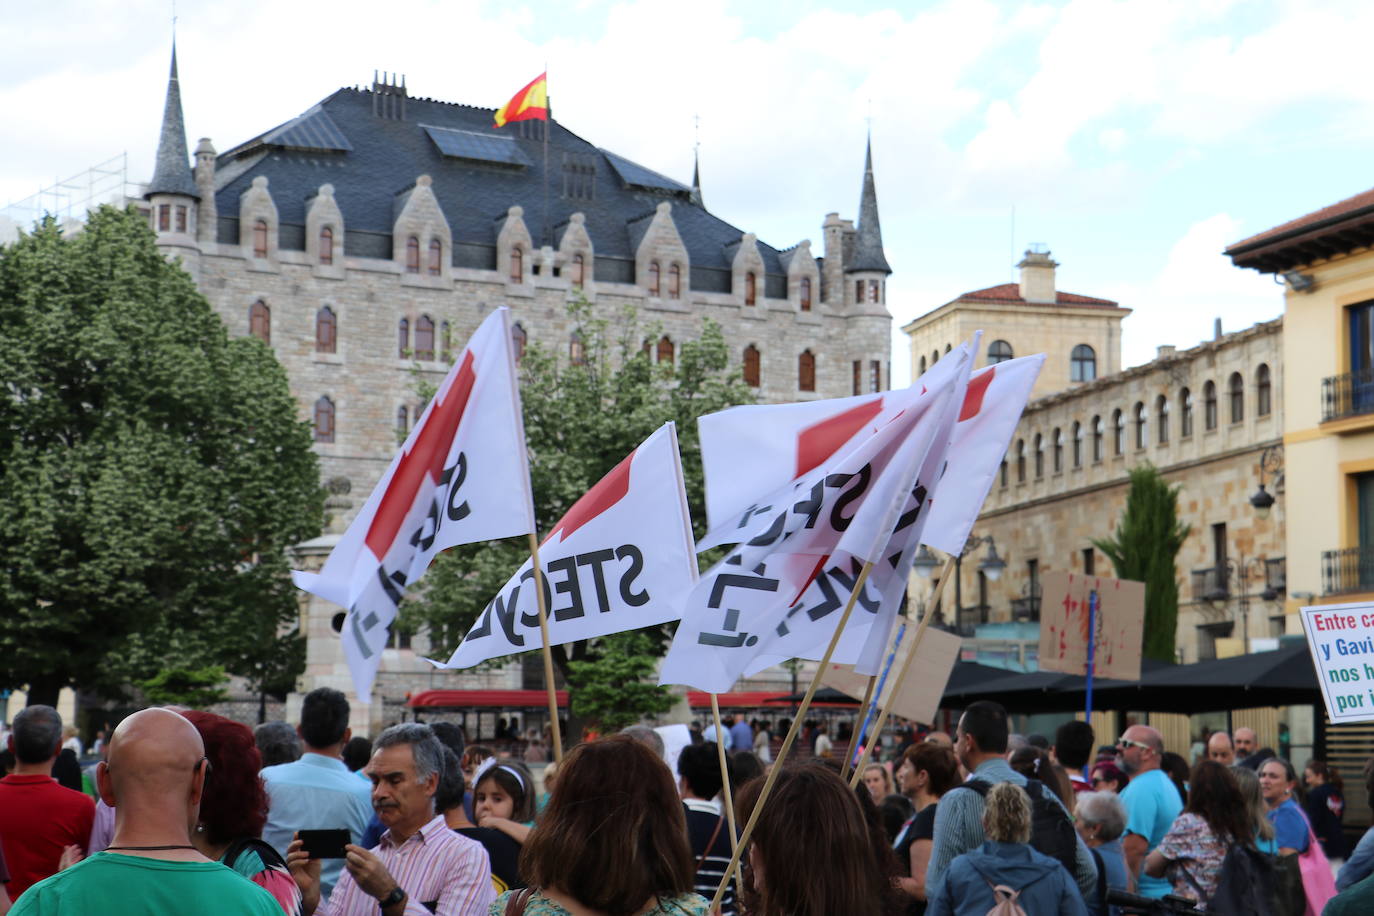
[
  {"x": 1152, "y": 802},
  {"x": 1290, "y": 826},
  {"x": 1044, "y": 886},
  {"x": 741, "y": 736},
  {"x": 313, "y": 793},
  {"x": 1360, "y": 865},
  {"x": 1114, "y": 862}
]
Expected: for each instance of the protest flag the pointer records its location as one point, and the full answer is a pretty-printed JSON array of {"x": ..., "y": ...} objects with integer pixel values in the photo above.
[
  {"x": 620, "y": 559},
  {"x": 462, "y": 476}
]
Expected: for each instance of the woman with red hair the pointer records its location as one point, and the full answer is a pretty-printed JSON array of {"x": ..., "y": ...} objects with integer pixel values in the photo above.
[{"x": 233, "y": 809}]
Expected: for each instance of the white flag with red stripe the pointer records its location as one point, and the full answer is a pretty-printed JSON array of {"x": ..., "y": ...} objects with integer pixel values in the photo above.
[
  {"x": 462, "y": 476},
  {"x": 621, "y": 558}
]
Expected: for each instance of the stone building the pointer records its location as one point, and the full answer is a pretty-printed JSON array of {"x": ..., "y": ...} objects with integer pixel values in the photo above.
[
  {"x": 1203, "y": 416},
  {"x": 374, "y": 232}
]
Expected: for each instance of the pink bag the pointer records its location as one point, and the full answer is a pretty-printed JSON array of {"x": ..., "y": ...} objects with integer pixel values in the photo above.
[{"x": 1317, "y": 881}]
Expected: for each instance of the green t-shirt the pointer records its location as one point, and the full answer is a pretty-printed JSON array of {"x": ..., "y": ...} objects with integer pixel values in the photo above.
[{"x": 116, "y": 885}]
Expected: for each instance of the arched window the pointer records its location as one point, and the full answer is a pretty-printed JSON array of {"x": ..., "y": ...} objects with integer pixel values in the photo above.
[
  {"x": 412, "y": 255},
  {"x": 1209, "y": 405},
  {"x": 751, "y": 366},
  {"x": 674, "y": 281},
  {"x": 806, "y": 370},
  {"x": 1162, "y": 419},
  {"x": 260, "y": 239},
  {"x": 1185, "y": 414},
  {"x": 445, "y": 342},
  {"x": 1099, "y": 431},
  {"x": 436, "y": 257},
  {"x": 579, "y": 270},
  {"x": 326, "y": 330},
  {"x": 1082, "y": 364},
  {"x": 923, "y": 365},
  {"x": 1236, "y": 388},
  {"x": 1264, "y": 399},
  {"x": 577, "y": 352},
  {"x": 518, "y": 339},
  {"x": 935, "y": 357},
  {"x": 402, "y": 421},
  {"x": 1058, "y": 441},
  {"x": 1077, "y": 444},
  {"x": 1140, "y": 420},
  {"x": 1039, "y": 456},
  {"x": 1118, "y": 432},
  {"x": 1003, "y": 474},
  {"x": 403, "y": 337},
  {"x": 260, "y": 321},
  {"x": 1020, "y": 460},
  {"x": 946, "y": 348},
  {"x": 653, "y": 279},
  {"x": 804, "y": 294},
  {"x": 665, "y": 349},
  {"x": 326, "y": 246},
  {"x": 750, "y": 290},
  {"x": 424, "y": 338},
  {"x": 517, "y": 265},
  {"x": 324, "y": 420},
  {"x": 999, "y": 351}
]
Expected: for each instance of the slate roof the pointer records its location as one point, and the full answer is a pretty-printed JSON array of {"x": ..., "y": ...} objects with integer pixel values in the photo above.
[
  {"x": 370, "y": 160},
  {"x": 868, "y": 242},
  {"x": 1011, "y": 292},
  {"x": 172, "y": 172}
]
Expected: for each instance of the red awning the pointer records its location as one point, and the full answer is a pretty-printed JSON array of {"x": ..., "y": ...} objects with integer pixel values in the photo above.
[
  {"x": 487, "y": 699},
  {"x": 744, "y": 699}
]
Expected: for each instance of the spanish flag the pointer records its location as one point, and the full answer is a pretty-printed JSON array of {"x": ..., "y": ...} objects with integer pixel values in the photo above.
[{"x": 528, "y": 104}]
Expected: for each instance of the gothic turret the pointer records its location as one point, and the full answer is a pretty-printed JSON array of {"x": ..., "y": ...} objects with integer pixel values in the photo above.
[
  {"x": 173, "y": 193},
  {"x": 696, "y": 181},
  {"x": 866, "y": 267}
]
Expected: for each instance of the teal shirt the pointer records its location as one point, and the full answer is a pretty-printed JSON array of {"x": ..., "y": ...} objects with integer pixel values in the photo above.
[
  {"x": 118, "y": 885},
  {"x": 1152, "y": 803}
]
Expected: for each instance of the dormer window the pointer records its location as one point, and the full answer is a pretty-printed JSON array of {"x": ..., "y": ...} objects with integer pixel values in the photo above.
[
  {"x": 675, "y": 282},
  {"x": 260, "y": 239},
  {"x": 412, "y": 255},
  {"x": 326, "y": 245},
  {"x": 436, "y": 257},
  {"x": 653, "y": 279},
  {"x": 750, "y": 289},
  {"x": 804, "y": 294},
  {"x": 517, "y": 265},
  {"x": 579, "y": 266}
]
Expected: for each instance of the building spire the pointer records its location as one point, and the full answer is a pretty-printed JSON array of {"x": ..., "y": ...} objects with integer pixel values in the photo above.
[
  {"x": 868, "y": 242},
  {"x": 172, "y": 171},
  {"x": 696, "y": 179}
]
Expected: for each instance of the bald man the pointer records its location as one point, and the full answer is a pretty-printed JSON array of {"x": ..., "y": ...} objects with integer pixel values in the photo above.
[
  {"x": 1152, "y": 802},
  {"x": 1219, "y": 749},
  {"x": 154, "y": 778}
]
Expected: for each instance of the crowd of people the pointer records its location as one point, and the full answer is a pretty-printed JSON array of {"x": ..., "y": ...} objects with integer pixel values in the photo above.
[{"x": 195, "y": 811}]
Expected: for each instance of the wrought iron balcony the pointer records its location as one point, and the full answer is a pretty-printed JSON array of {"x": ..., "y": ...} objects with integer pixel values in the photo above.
[
  {"x": 1211, "y": 584},
  {"x": 1025, "y": 608},
  {"x": 1348, "y": 395},
  {"x": 1348, "y": 571},
  {"x": 1276, "y": 575}
]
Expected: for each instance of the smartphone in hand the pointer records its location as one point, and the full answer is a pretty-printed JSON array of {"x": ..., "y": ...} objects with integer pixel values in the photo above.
[{"x": 326, "y": 844}]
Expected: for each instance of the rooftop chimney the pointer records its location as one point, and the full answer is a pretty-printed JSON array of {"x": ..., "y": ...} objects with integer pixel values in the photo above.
[{"x": 1037, "y": 275}]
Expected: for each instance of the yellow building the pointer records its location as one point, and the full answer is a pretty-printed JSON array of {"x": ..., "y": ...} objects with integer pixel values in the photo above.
[
  {"x": 1081, "y": 334},
  {"x": 1326, "y": 264}
]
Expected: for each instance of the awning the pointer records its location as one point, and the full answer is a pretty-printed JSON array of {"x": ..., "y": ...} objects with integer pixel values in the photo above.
[
  {"x": 486, "y": 699},
  {"x": 744, "y": 699}
]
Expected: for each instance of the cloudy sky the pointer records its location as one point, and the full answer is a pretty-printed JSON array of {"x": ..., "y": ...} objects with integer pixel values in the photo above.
[{"x": 1135, "y": 138}]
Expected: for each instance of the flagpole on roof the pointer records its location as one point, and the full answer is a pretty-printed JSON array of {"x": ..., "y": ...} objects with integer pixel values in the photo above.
[
  {"x": 548, "y": 124},
  {"x": 791, "y": 734}
]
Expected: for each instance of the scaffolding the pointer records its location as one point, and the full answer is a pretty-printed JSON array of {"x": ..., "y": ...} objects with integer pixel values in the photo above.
[{"x": 71, "y": 198}]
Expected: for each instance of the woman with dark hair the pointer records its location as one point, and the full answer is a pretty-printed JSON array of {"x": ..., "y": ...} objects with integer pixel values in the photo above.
[
  {"x": 1035, "y": 763},
  {"x": 1325, "y": 806},
  {"x": 233, "y": 809},
  {"x": 612, "y": 841},
  {"x": 744, "y": 766},
  {"x": 1278, "y": 786},
  {"x": 1176, "y": 768},
  {"x": 811, "y": 853},
  {"x": 1216, "y": 818},
  {"x": 927, "y": 772}
]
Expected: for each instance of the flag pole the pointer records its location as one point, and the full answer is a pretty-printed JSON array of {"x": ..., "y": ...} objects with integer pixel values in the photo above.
[
  {"x": 792, "y": 732},
  {"x": 945, "y": 575},
  {"x": 724, "y": 774},
  {"x": 548, "y": 123},
  {"x": 859, "y": 735},
  {"x": 548, "y": 650}
]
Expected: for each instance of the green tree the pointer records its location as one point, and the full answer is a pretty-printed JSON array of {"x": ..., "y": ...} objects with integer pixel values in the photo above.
[
  {"x": 154, "y": 470},
  {"x": 1144, "y": 548},
  {"x": 193, "y": 687},
  {"x": 583, "y": 414},
  {"x": 614, "y": 685}
]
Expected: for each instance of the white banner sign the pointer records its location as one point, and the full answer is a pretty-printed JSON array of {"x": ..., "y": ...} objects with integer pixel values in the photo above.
[
  {"x": 462, "y": 476},
  {"x": 620, "y": 559},
  {"x": 1341, "y": 639}
]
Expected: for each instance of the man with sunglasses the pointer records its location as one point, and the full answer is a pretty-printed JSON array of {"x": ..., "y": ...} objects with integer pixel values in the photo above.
[{"x": 1152, "y": 803}]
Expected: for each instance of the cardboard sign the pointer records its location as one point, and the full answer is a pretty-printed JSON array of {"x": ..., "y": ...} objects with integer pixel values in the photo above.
[
  {"x": 919, "y": 698},
  {"x": 1341, "y": 640},
  {"x": 1064, "y": 625}
]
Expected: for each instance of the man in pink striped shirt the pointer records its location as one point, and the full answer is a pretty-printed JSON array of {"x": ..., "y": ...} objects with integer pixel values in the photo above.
[{"x": 420, "y": 866}]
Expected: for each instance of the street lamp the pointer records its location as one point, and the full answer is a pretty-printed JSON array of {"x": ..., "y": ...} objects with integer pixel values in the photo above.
[
  {"x": 1241, "y": 572},
  {"x": 1271, "y": 460},
  {"x": 990, "y": 566}
]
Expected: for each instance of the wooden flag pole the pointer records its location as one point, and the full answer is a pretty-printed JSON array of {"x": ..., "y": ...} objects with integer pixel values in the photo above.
[
  {"x": 727, "y": 794},
  {"x": 863, "y": 708},
  {"x": 792, "y": 733},
  {"x": 548, "y": 650},
  {"x": 906, "y": 666}
]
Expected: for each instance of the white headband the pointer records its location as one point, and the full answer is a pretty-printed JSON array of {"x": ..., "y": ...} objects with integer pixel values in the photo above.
[{"x": 491, "y": 762}]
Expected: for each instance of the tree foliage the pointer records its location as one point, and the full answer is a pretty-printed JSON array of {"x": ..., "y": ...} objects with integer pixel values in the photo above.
[
  {"x": 581, "y": 420},
  {"x": 155, "y": 471},
  {"x": 1144, "y": 548},
  {"x": 614, "y": 685},
  {"x": 193, "y": 687}
]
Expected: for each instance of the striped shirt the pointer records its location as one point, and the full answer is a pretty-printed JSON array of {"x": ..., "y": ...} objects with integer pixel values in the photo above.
[
  {"x": 702, "y": 818},
  {"x": 434, "y": 866}
]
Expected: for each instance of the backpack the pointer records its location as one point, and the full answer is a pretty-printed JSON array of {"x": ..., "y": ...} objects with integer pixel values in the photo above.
[
  {"x": 1005, "y": 901},
  {"x": 1052, "y": 831},
  {"x": 1245, "y": 883}
]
